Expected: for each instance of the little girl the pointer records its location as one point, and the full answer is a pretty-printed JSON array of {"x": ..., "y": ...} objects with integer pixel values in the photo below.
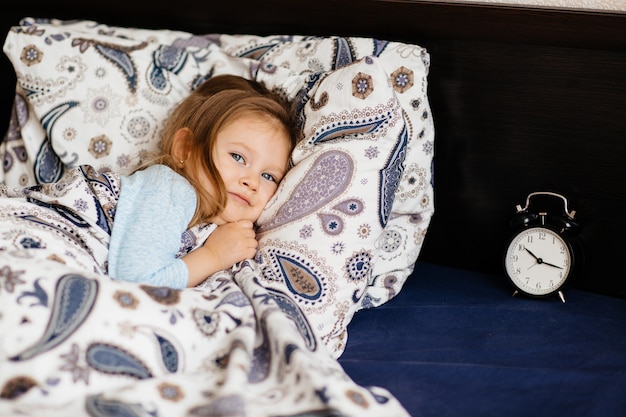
[{"x": 225, "y": 149}]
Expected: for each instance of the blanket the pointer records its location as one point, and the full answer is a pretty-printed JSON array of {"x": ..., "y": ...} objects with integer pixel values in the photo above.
[{"x": 73, "y": 342}]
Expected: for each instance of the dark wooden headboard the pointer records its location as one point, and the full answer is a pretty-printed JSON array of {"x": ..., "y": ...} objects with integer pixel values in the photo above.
[{"x": 523, "y": 99}]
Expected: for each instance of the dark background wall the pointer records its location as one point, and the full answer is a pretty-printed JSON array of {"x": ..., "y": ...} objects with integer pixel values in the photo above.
[{"x": 523, "y": 100}]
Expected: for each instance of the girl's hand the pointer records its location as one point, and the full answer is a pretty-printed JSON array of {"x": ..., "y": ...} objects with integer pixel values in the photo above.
[
  {"x": 227, "y": 245},
  {"x": 231, "y": 243}
]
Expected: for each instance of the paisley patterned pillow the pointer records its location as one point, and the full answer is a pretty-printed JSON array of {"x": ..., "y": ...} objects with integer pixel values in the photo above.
[
  {"x": 346, "y": 226},
  {"x": 318, "y": 236}
]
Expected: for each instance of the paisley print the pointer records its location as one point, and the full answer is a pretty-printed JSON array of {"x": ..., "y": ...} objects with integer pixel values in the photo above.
[
  {"x": 299, "y": 277},
  {"x": 331, "y": 223},
  {"x": 289, "y": 307},
  {"x": 167, "y": 59},
  {"x": 344, "y": 53},
  {"x": 169, "y": 353},
  {"x": 390, "y": 177},
  {"x": 99, "y": 406},
  {"x": 258, "y": 339},
  {"x": 359, "y": 266},
  {"x": 75, "y": 296},
  {"x": 329, "y": 175},
  {"x": 120, "y": 57},
  {"x": 48, "y": 165},
  {"x": 111, "y": 359}
]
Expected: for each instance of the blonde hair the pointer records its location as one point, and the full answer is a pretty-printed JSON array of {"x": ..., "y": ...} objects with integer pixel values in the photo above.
[{"x": 214, "y": 104}]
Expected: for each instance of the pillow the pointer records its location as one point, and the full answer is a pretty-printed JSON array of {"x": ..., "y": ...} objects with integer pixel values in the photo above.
[
  {"x": 317, "y": 237},
  {"x": 93, "y": 94}
]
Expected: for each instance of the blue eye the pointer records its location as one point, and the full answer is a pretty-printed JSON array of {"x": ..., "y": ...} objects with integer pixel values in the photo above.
[
  {"x": 269, "y": 177},
  {"x": 237, "y": 157}
]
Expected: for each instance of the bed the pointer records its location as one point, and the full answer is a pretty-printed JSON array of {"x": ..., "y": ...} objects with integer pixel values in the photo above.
[{"x": 425, "y": 124}]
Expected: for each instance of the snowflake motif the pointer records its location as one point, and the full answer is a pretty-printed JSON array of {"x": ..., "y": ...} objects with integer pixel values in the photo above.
[
  {"x": 9, "y": 278},
  {"x": 79, "y": 373},
  {"x": 100, "y": 72},
  {"x": 73, "y": 66},
  {"x": 402, "y": 79},
  {"x": 306, "y": 231},
  {"x": 81, "y": 205},
  {"x": 362, "y": 85},
  {"x": 103, "y": 106},
  {"x": 364, "y": 181},
  {"x": 428, "y": 147},
  {"x": 138, "y": 127},
  {"x": 100, "y": 146},
  {"x": 69, "y": 134},
  {"x": 31, "y": 55},
  {"x": 337, "y": 248},
  {"x": 364, "y": 231},
  {"x": 414, "y": 181},
  {"x": 391, "y": 240},
  {"x": 371, "y": 152},
  {"x": 143, "y": 154},
  {"x": 123, "y": 160}
]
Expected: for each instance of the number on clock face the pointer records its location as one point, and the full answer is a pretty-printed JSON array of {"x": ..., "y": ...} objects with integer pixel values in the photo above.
[{"x": 538, "y": 261}]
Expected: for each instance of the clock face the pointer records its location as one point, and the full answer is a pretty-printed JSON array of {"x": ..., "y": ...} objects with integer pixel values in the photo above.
[{"x": 538, "y": 261}]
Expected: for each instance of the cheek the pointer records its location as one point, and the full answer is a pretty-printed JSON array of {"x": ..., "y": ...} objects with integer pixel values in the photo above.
[{"x": 268, "y": 192}]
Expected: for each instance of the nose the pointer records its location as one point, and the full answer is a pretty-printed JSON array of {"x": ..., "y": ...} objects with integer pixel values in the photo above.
[{"x": 249, "y": 182}]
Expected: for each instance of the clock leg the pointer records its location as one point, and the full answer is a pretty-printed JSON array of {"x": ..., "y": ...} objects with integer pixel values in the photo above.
[{"x": 561, "y": 296}]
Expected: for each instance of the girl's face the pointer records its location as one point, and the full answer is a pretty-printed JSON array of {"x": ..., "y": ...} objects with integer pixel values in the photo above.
[{"x": 251, "y": 154}]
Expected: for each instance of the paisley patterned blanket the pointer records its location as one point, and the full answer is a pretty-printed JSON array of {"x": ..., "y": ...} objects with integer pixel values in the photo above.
[
  {"x": 74, "y": 342},
  {"x": 341, "y": 234}
]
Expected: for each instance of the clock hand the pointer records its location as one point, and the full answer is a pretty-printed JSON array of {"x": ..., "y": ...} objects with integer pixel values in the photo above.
[
  {"x": 552, "y": 265},
  {"x": 540, "y": 260},
  {"x": 531, "y": 254}
]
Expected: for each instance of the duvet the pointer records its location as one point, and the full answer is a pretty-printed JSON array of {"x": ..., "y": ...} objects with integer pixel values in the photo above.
[
  {"x": 341, "y": 234},
  {"x": 74, "y": 342}
]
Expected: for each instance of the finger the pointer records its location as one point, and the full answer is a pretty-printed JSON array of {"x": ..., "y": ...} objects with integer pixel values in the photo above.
[{"x": 247, "y": 224}]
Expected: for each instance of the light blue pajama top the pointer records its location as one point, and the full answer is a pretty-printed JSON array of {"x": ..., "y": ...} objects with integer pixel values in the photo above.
[{"x": 153, "y": 211}]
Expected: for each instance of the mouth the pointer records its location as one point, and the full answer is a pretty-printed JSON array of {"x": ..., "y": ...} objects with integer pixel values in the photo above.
[{"x": 240, "y": 198}]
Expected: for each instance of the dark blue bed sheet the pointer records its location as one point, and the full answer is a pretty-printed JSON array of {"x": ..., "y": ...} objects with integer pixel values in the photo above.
[{"x": 456, "y": 343}]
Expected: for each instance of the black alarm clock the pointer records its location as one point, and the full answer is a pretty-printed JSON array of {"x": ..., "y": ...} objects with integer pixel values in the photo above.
[{"x": 544, "y": 250}]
